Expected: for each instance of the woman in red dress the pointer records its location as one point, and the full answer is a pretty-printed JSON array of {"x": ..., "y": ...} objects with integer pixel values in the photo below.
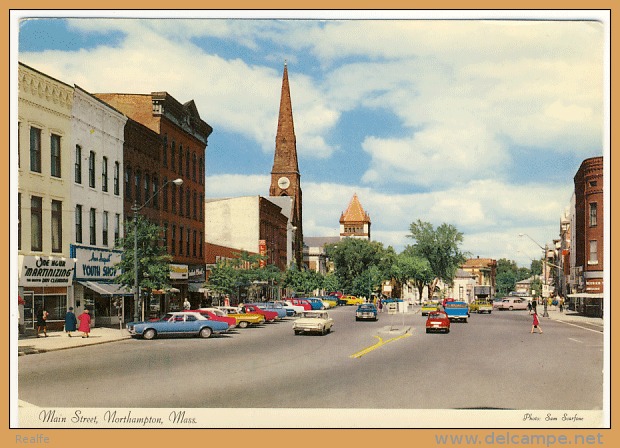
[
  {"x": 84, "y": 327},
  {"x": 535, "y": 323}
]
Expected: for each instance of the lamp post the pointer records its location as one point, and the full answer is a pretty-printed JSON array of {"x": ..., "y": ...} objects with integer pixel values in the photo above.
[
  {"x": 135, "y": 209},
  {"x": 544, "y": 249}
]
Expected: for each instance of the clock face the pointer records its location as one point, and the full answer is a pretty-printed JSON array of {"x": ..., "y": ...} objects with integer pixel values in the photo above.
[{"x": 284, "y": 183}]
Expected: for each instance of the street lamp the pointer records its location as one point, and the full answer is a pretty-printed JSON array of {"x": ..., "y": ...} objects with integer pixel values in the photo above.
[
  {"x": 135, "y": 209},
  {"x": 544, "y": 249}
]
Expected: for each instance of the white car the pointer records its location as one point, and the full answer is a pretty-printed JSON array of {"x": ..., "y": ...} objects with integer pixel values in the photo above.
[
  {"x": 315, "y": 321},
  {"x": 297, "y": 308}
]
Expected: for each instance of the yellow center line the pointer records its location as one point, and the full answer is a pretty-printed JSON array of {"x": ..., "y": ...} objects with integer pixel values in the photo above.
[{"x": 377, "y": 345}]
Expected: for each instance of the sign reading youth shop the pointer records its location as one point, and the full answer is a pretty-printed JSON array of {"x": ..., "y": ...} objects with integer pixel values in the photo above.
[
  {"x": 45, "y": 271},
  {"x": 95, "y": 264}
]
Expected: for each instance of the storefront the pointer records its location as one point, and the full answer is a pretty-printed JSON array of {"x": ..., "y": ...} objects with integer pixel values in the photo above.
[
  {"x": 45, "y": 283},
  {"x": 195, "y": 287},
  {"x": 94, "y": 287},
  {"x": 588, "y": 304}
]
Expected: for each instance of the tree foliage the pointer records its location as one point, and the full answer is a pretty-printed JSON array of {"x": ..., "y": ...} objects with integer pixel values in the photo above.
[
  {"x": 440, "y": 247},
  {"x": 153, "y": 261}
]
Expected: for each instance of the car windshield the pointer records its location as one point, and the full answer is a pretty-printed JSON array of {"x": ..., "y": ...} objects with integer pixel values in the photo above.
[
  {"x": 312, "y": 315},
  {"x": 436, "y": 316},
  {"x": 367, "y": 307},
  {"x": 456, "y": 305}
]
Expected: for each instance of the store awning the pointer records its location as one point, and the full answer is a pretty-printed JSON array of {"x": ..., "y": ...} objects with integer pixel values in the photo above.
[
  {"x": 195, "y": 287},
  {"x": 107, "y": 289},
  {"x": 586, "y": 295}
]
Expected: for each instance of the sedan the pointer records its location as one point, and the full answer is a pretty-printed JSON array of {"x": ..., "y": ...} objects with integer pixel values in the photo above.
[
  {"x": 243, "y": 319},
  {"x": 209, "y": 314},
  {"x": 313, "y": 322},
  {"x": 366, "y": 311},
  {"x": 429, "y": 307},
  {"x": 437, "y": 321},
  {"x": 270, "y": 316},
  {"x": 178, "y": 324}
]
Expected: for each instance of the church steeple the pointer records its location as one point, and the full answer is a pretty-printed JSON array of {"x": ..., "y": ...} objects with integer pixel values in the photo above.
[
  {"x": 285, "y": 177},
  {"x": 354, "y": 221}
]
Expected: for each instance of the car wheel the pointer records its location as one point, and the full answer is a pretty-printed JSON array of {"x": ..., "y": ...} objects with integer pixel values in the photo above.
[
  {"x": 329, "y": 330},
  {"x": 297, "y": 332},
  {"x": 428, "y": 331},
  {"x": 243, "y": 324},
  {"x": 149, "y": 334},
  {"x": 510, "y": 309},
  {"x": 206, "y": 332},
  {"x": 447, "y": 330}
]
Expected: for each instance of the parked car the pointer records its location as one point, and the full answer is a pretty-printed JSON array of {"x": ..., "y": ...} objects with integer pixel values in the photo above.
[
  {"x": 316, "y": 303},
  {"x": 437, "y": 321},
  {"x": 513, "y": 303},
  {"x": 366, "y": 311},
  {"x": 270, "y": 316},
  {"x": 480, "y": 307},
  {"x": 350, "y": 300},
  {"x": 298, "y": 309},
  {"x": 178, "y": 324},
  {"x": 231, "y": 321},
  {"x": 301, "y": 302},
  {"x": 281, "y": 312},
  {"x": 290, "y": 311},
  {"x": 243, "y": 319},
  {"x": 331, "y": 300},
  {"x": 313, "y": 321},
  {"x": 428, "y": 307}
]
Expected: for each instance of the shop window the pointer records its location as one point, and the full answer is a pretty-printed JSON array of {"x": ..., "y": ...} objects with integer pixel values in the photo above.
[
  {"x": 56, "y": 226},
  {"x": 36, "y": 224},
  {"x": 55, "y": 155},
  {"x": 35, "y": 150}
]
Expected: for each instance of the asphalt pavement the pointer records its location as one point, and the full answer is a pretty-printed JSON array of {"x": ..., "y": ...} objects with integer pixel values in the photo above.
[{"x": 59, "y": 340}]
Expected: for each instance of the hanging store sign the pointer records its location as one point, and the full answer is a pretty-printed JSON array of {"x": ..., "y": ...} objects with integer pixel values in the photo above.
[
  {"x": 95, "y": 264},
  {"x": 46, "y": 271},
  {"x": 262, "y": 250},
  {"x": 179, "y": 272}
]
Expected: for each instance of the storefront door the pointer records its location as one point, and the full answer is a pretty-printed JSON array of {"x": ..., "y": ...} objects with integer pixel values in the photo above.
[{"x": 30, "y": 317}]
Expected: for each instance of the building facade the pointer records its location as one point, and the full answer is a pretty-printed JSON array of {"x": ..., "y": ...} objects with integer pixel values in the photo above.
[{"x": 45, "y": 212}]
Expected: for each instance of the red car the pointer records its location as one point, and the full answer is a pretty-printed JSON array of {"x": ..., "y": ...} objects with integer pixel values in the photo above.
[
  {"x": 301, "y": 302},
  {"x": 231, "y": 321},
  {"x": 437, "y": 321},
  {"x": 270, "y": 316}
]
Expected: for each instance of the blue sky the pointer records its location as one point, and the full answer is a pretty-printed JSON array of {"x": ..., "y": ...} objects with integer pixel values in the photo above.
[{"x": 478, "y": 123}]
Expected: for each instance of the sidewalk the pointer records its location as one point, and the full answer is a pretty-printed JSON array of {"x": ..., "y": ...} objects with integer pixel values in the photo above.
[
  {"x": 570, "y": 316},
  {"x": 58, "y": 340}
]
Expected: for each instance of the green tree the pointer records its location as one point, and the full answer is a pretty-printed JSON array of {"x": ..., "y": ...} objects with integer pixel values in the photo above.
[
  {"x": 302, "y": 281},
  {"x": 153, "y": 261},
  {"x": 352, "y": 257},
  {"x": 409, "y": 267},
  {"x": 440, "y": 247},
  {"x": 330, "y": 282},
  {"x": 222, "y": 278}
]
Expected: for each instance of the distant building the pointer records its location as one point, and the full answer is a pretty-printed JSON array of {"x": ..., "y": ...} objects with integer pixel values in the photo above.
[
  {"x": 484, "y": 270},
  {"x": 354, "y": 221},
  {"x": 463, "y": 286},
  {"x": 315, "y": 257}
]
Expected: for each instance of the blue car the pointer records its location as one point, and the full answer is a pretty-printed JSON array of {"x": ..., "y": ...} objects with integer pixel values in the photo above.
[
  {"x": 274, "y": 306},
  {"x": 317, "y": 303},
  {"x": 366, "y": 311},
  {"x": 178, "y": 324},
  {"x": 271, "y": 307}
]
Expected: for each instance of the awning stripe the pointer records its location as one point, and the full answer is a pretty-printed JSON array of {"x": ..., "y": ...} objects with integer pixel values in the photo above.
[{"x": 107, "y": 289}]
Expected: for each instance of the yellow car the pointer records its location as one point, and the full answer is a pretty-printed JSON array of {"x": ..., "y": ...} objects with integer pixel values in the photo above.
[
  {"x": 331, "y": 300},
  {"x": 243, "y": 319},
  {"x": 428, "y": 307},
  {"x": 350, "y": 300}
]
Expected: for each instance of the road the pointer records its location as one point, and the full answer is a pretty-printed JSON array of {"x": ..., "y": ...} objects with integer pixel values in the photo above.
[{"x": 491, "y": 362}]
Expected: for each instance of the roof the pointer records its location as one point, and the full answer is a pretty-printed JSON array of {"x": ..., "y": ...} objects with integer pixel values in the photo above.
[
  {"x": 320, "y": 241},
  {"x": 477, "y": 262},
  {"x": 354, "y": 212}
]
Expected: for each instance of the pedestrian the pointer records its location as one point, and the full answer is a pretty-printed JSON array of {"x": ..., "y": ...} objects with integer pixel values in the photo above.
[
  {"x": 561, "y": 305},
  {"x": 380, "y": 304},
  {"x": 535, "y": 323},
  {"x": 529, "y": 306},
  {"x": 186, "y": 304},
  {"x": 42, "y": 322},
  {"x": 84, "y": 327},
  {"x": 534, "y": 305},
  {"x": 70, "y": 321}
]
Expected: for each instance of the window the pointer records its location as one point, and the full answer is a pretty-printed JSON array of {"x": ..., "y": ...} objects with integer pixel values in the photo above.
[
  {"x": 78, "y": 223},
  {"x": 78, "y": 164},
  {"x": 55, "y": 155},
  {"x": 187, "y": 203},
  {"x": 194, "y": 248},
  {"x": 200, "y": 245},
  {"x": 593, "y": 252},
  {"x": 181, "y": 240},
  {"x": 35, "y": 150},
  {"x": 174, "y": 199},
  {"x": 56, "y": 226},
  {"x": 104, "y": 174},
  {"x": 36, "y": 223},
  {"x": 155, "y": 195},
  {"x": 180, "y": 159},
  {"x": 165, "y": 150},
  {"x": 194, "y": 163},
  {"x": 593, "y": 214},
  {"x": 187, "y": 242},
  {"x": 173, "y": 155},
  {"x": 117, "y": 175},
  {"x": 165, "y": 194},
  {"x": 165, "y": 236},
  {"x": 91, "y": 170},
  {"x": 173, "y": 242},
  {"x": 117, "y": 229},
  {"x": 128, "y": 182},
  {"x": 147, "y": 185},
  {"x": 180, "y": 200},
  {"x": 104, "y": 225},
  {"x": 195, "y": 214},
  {"x": 19, "y": 221},
  {"x": 93, "y": 226},
  {"x": 200, "y": 172},
  {"x": 201, "y": 208},
  {"x": 187, "y": 163},
  {"x": 137, "y": 186}
]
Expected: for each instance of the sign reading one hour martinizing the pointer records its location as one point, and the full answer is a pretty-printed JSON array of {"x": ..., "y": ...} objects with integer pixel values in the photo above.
[{"x": 46, "y": 271}]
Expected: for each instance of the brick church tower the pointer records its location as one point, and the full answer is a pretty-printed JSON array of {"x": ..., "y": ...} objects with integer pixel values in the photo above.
[{"x": 285, "y": 177}]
